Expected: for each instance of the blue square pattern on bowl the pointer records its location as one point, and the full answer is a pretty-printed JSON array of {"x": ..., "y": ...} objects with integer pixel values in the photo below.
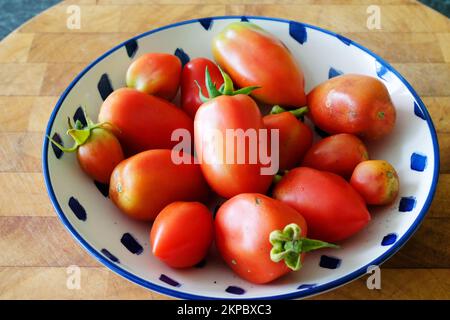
[{"x": 122, "y": 244}]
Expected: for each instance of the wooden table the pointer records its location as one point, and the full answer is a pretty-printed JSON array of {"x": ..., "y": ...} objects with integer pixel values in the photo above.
[{"x": 40, "y": 59}]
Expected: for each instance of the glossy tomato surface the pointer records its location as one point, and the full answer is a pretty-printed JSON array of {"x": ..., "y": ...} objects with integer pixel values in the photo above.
[
  {"x": 155, "y": 73},
  {"x": 182, "y": 234},
  {"x": 339, "y": 154},
  {"x": 141, "y": 186},
  {"x": 353, "y": 103},
  {"x": 142, "y": 121},
  {"x": 231, "y": 167},
  {"x": 376, "y": 181},
  {"x": 331, "y": 207},
  {"x": 254, "y": 57},
  {"x": 100, "y": 154},
  {"x": 243, "y": 225},
  {"x": 193, "y": 71},
  {"x": 295, "y": 138}
]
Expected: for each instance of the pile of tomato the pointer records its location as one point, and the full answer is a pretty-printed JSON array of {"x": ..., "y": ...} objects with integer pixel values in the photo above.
[{"x": 321, "y": 190}]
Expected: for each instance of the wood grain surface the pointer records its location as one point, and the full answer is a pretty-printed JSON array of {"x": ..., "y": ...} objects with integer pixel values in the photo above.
[{"x": 39, "y": 60}]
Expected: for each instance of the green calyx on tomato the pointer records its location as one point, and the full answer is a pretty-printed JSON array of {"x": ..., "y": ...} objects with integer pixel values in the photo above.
[
  {"x": 79, "y": 133},
  {"x": 298, "y": 113},
  {"x": 288, "y": 245},
  {"x": 227, "y": 88}
]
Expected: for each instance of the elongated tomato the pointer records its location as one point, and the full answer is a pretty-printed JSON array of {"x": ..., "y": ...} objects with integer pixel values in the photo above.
[
  {"x": 333, "y": 210},
  {"x": 141, "y": 186},
  {"x": 143, "y": 121},
  {"x": 254, "y": 57}
]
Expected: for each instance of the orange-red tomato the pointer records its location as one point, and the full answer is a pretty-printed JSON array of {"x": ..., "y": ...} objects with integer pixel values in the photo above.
[
  {"x": 193, "y": 71},
  {"x": 295, "y": 138},
  {"x": 254, "y": 57},
  {"x": 143, "y": 121},
  {"x": 353, "y": 103},
  {"x": 182, "y": 234},
  {"x": 155, "y": 73},
  {"x": 243, "y": 227},
  {"x": 332, "y": 209},
  {"x": 100, "y": 154},
  {"x": 141, "y": 186},
  {"x": 376, "y": 181},
  {"x": 339, "y": 154},
  {"x": 220, "y": 164}
]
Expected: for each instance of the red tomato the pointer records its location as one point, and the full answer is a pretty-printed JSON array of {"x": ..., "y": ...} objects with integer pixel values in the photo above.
[
  {"x": 229, "y": 178},
  {"x": 376, "y": 181},
  {"x": 339, "y": 154},
  {"x": 254, "y": 57},
  {"x": 182, "y": 234},
  {"x": 353, "y": 103},
  {"x": 143, "y": 121},
  {"x": 155, "y": 73},
  {"x": 333, "y": 210},
  {"x": 98, "y": 150},
  {"x": 195, "y": 71},
  {"x": 295, "y": 138},
  {"x": 141, "y": 186},
  {"x": 260, "y": 238}
]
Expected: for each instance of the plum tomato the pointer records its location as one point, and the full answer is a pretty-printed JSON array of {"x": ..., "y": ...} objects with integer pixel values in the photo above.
[
  {"x": 353, "y": 103},
  {"x": 261, "y": 238},
  {"x": 194, "y": 71},
  {"x": 254, "y": 57},
  {"x": 143, "y": 121},
  {"x": 156, "y": 74},
  {"x": 182, "y": 234},
  {"x": 295, "y": 137},
  {"x": 339, "y": 154},
  {"x": 376, "y": 181},
  {"x": 331, "y": 207},
  {"x": 98, "y": 150},
  {"x": 141, "y": 186}
]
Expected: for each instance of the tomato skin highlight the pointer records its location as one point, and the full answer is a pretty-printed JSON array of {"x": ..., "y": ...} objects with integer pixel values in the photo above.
[
  {"x": 193, "y": 71},
  {"x": 254, "y": 57},
  {"x": 376, "y": 181},
  {"x": 100, "y": 155},
  {"x": 141, "y": 186},
  {"x": 143, "y": 121},
  {"x": 242, "y": 228},
  {"x": 332, "y": 209},
  {"x": 339, "y": 154},
  {"x": 155, "y": 73},
  {"x": 182, "y": 234},
  {"x": 295, "y": 138},
  {"x": 217, "y": 116},
  {"x": 353, "y": 103}
]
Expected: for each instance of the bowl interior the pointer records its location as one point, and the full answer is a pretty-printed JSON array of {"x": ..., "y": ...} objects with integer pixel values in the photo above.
[{"x": 123, "y": 245}]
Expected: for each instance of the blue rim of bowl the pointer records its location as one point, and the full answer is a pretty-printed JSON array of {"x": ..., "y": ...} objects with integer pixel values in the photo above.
[{"x": 296, "y": 294}]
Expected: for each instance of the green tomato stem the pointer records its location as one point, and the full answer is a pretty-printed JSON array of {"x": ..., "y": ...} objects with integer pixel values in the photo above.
[
  {"x": 288, "y": 245},
  {"x": 298, "y": 113}
]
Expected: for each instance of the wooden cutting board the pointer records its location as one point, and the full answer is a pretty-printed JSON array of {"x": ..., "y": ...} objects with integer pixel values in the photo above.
[{"x": 38, "y": 61}]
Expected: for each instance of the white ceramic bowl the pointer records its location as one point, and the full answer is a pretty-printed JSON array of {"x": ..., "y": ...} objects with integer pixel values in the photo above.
[{"x": 122, "y": 244}]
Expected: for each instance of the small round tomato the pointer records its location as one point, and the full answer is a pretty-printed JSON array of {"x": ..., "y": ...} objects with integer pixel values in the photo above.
[
  {"x": 141, "y": 186},
  {"x": 333, "y": 210},
  {"x": 143, "y": 121},
  {"x": 155, "y": 73},
  {"x": 353, "y": 103},
  {"x": 261, "y": 238},
  {"x": 193, "y": 71},
  {"x": 295, "y": 137},
  {"x": 182, "y": 234},
  {"x": 376, "y": 181},
  {"x": 98, "y": 150},
  {"x": 339, "y": 154}
]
